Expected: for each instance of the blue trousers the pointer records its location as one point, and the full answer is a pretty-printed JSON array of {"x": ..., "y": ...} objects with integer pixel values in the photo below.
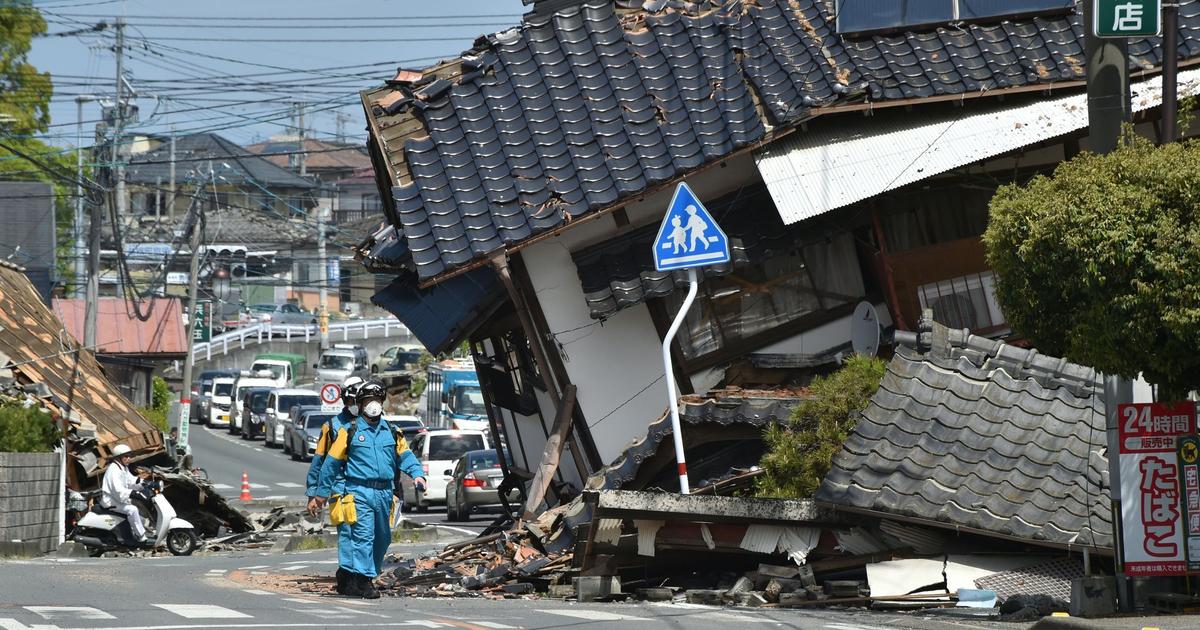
[{"x": 371, "y": 534}]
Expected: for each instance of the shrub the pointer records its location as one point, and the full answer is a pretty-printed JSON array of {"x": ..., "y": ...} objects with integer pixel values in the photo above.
[
  {"x": 26, "y": 429},
  {"x": 800, "y": 453}
]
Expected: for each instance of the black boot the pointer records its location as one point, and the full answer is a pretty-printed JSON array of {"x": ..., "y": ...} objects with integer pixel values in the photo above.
[
  {"x": 341, "y": 576},
  {"x": 352, "y": 586},
  {"x": 367, "y": 588}
]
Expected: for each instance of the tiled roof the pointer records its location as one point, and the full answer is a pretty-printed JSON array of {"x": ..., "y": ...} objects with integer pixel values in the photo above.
[
  {"x": 978, "y": 434},
  {"x": 119, "y": 331},
  {"x": 576, "y": 111},
  {"x": 324, "y": 155},
  {"x": 227, "y": 225},
  {"x": 196, "y": 151},
  {"x": 722, "y": 411}
]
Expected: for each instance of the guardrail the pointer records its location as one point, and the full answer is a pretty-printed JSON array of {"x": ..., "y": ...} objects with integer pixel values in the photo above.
[{"x": 258, "y": 333}]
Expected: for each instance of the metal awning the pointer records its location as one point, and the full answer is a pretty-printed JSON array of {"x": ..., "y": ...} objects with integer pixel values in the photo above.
[{"x": 835, "y": 165}]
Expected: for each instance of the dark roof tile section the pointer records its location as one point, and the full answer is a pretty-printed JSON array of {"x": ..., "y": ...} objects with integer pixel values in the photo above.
[
  {"x": 195, "y": 152},
  {"x": 725, "y": 411},
  {"x": 577, "y": 109},
  {"x": 978, "y": 434}
]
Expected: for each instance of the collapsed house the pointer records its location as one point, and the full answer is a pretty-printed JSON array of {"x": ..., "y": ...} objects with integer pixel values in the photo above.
[
  {"x": 522, "y": 183},
  {"x": 41, "y": 358}
]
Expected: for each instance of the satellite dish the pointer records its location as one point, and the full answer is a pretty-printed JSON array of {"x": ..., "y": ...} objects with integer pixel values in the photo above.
[{"x": 864, "y": 329}]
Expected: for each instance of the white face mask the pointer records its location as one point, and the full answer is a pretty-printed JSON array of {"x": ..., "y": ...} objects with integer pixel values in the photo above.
[
  {"x": 353, "y": 409},
  {"x": 373, "y": 409}
]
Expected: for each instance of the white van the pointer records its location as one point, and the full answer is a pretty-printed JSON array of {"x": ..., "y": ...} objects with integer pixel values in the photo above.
[
  {"x": 279, "y": 405},
  {"x": 222, "y": 401},
  {"x": 438, "y": 451},
  {"x": 246, "y": 380}
]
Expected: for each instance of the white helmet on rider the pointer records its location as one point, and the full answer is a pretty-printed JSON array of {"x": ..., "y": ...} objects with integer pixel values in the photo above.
[{"x": 121, "y": 449}]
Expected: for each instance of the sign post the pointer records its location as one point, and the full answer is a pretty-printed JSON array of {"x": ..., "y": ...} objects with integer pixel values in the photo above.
[
  {"x": 688, "y": 238},
  {"x": 1152, "y": 518},
  {"x": 1127, "y": 18}
]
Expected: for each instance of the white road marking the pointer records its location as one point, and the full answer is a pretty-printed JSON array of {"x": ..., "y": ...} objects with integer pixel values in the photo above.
[
  {"x": 593, "y": 615},
  {"x": 296, "y": 562},
  {"x": 257, "y": 566},
  {"x": 289, "y": 484},
  {"x": 260, "y": 486},
  {"x": 216, "y": 571},
  {"x": 490, "y": 624},
  {"x": 255, "y": 591},
  {"x": 273, "y": 497},
  {"x": 742, "y": 618},
  {"x": 258, "y": 573},
  {"x": 458, "y": 529},
  {"x": 300, "y": 600},
  {"x": 50, "y": 613},
  {"x": 846, "y": 626},
  {"x": 202, "y": 611},
  {"x": 258, "y": 450},
  {"x": 222, "y": 486},
  {"x": 294, "y": 567}
]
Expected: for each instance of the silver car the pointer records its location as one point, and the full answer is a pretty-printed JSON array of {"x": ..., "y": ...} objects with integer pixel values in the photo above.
[
  {"x": 474, "y": 484},
  {"x": 286, "y": 314}
]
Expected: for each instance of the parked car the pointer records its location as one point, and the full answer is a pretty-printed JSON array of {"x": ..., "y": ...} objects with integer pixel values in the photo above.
[
  {"x": 410, "y": 426},
  {"x": 279, "y": 408},
  {"x": 288, "y": 314},
  {"x": 300, "y": 440},
  {"x": 202, "y": 392},
  {"x": 401, "y": 357},
  {"x": 339, "y": 363},
  {"x": 245, "y": 380},
  {"x": 473, "y": 485},
  {"x": 438, "y": 450},
  {"x": 254, "y": 412},
  {"x": 222, "y": 401}
]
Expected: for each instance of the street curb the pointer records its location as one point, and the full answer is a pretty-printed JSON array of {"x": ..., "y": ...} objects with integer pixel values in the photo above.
[
  {"x": 306, "y": 542},
  {"x": 1067, "y": 623}
]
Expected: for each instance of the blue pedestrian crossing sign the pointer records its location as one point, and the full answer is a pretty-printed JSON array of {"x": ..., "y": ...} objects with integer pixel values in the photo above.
[{"x": 688, "y": 236}]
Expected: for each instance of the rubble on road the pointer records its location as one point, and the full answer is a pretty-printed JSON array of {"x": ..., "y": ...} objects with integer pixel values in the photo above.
[{"x": 197, "y": 501}]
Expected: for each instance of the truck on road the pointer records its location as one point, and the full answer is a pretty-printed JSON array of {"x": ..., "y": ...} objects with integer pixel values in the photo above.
[{"x": 453, "y": 397}]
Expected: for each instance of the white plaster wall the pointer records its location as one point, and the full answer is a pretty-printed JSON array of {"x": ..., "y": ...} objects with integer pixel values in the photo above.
[{"x": 822, "y": 338}]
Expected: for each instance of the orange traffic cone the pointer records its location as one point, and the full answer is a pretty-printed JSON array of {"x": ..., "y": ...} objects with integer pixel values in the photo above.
[{"x": 245, "y": 488}]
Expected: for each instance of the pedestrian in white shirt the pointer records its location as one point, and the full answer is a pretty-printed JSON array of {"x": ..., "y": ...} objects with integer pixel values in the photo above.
[{"x": 118, "y": 484}]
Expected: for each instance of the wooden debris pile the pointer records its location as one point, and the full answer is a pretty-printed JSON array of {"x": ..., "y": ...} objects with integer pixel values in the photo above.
[{"x": 527, "y": 559}]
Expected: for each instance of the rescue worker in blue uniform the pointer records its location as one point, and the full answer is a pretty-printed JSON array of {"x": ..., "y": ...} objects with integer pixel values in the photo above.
[
  {"x": 369, "y": 454},
  {"x": 329, "y": 431}
]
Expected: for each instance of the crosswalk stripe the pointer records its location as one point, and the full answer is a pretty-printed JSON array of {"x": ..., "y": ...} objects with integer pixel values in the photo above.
[
  {"x": 289, "y": 484},
  {"x": 593, "y": 615},
  {"x": 259, "y": 486},
  {"x": 222, "y": 486},
  {"x": 257, "y": 566},
  {"x": 300, "y": 600},
  {"x": 68, "y": 612},
  {"x": 294, "y": 567},
  {"x": 203, "y": 611},
  {"x": 255, "y": 591},
  {"x": 490, "y": 624}
]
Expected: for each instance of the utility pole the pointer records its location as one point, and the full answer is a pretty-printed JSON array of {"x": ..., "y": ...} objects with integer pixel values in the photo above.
[
  {"x": 1170, "y": 102},
  {"x": 171, "y": 185},
  {"x": 118, "y": 158},
  {"x": 303, "y": 149},
  {"x": 323, "y": 279},
  {"x": 80, "y": 265},
  {"x": 196, "y": 219},
  {"x": 1107, "y": 67}
]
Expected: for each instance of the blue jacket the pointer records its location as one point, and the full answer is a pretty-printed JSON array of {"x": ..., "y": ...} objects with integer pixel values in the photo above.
[
  {"x": 329, "y": 431},
  {"x": 375, "y": 453}
]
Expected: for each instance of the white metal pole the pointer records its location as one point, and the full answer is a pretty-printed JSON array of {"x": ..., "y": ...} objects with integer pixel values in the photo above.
[
  {"x": 80, "y": 266},
  {"x": 672, "y": 398}
]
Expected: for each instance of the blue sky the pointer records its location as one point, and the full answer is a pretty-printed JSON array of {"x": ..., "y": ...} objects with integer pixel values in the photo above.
[{"x": 189, "y": 60}]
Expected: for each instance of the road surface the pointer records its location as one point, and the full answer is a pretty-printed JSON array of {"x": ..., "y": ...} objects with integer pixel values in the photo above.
[
  {"x": 273, "y": 475},
  {"x": 218, "y": 591}
]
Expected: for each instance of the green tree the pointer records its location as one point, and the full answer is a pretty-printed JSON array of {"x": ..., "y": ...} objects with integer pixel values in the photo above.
[
  {"x": 160, "y": 403},
  {"x": 800, "y": 453},
  {"x": 25, "y": 111},
  {"x": 26, "y": 429},
  {"x": 1100, "y": 262}
]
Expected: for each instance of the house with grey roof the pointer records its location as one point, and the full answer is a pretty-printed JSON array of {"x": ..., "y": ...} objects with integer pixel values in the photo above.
[{"x": 849, "y": 160}]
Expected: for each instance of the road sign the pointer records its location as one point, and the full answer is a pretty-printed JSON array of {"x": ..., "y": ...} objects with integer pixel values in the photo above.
[
  {"x": 1189, "y": 481},
  {"x": 331, "y": 393},
  {"x": 1127, "y": 18},
  {"x": 689, "y": 236}
]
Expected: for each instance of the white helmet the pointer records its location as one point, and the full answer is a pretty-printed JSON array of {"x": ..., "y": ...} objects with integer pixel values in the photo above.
[
  {"x": 121, "y": 449},
  {"x": 353, "y": 380}
]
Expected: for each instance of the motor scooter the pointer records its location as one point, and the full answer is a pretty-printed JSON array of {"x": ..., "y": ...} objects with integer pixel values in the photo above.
[{"x": 101, "y": 529}]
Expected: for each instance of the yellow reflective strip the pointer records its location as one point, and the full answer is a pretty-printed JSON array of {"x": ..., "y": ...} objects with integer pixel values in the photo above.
[
  {"x": 401, "y": 444},
  {"x": 323, "y": 441},
  {"x": 338, "y": 449}
]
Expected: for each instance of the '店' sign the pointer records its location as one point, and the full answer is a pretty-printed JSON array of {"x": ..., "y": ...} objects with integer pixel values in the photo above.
[{"x": 1152, "y": 515}]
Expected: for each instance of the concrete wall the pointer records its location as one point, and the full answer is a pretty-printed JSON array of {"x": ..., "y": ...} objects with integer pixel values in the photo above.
[{"x": 29, "y": 499}]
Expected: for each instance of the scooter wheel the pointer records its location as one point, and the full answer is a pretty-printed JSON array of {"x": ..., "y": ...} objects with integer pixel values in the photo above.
[{"x": 181, "y": 542}]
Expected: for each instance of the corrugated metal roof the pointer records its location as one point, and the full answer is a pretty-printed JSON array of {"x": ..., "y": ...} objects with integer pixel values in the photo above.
[
  {"x": 835, "y": 165},
  {"x": 119, "y": 331}
]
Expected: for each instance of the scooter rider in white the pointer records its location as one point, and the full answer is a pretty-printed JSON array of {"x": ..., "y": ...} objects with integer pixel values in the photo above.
[{"x": 119, "y": 482}]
